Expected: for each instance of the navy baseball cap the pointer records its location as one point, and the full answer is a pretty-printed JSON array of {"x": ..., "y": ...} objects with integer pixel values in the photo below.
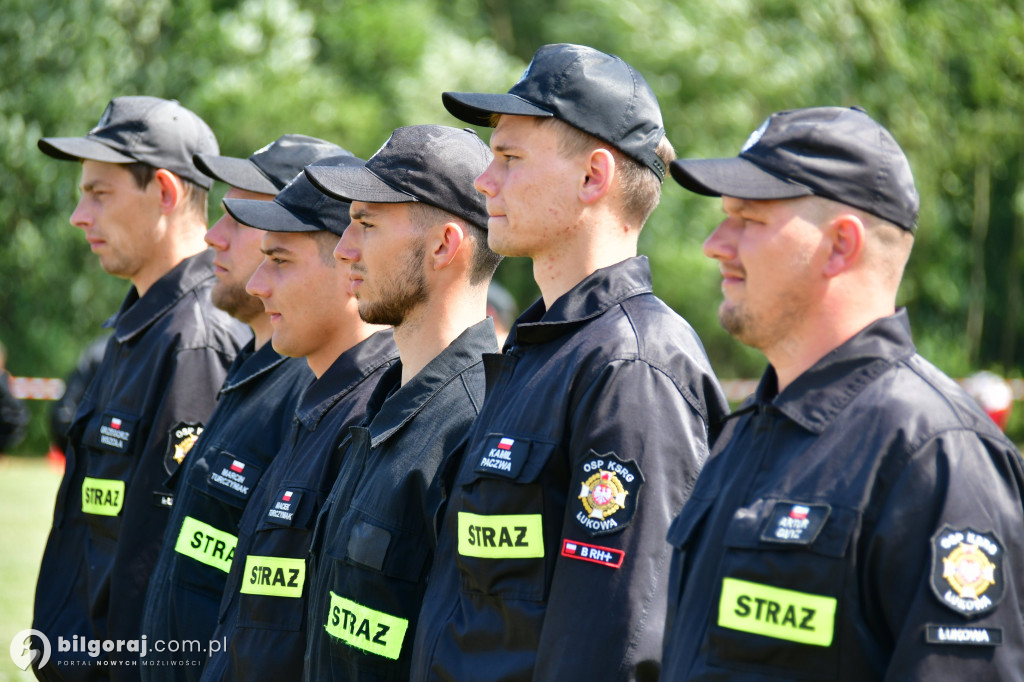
[
  {"x": 299, "y": 207},
  {"x": 158, "y": 132},
  {"x": 431, "y": 164},
  {"x": 596, "y": 92},
  {"x": 833, "y": 152},
  {"x": 268, "y": 170}
]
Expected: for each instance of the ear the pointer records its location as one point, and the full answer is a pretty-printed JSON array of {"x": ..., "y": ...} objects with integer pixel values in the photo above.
[
  {"x": 172, "y": 190},
  {"x": 599, "y": 174},
  {"x": 448, "y": 246},
  {"x": 847, "y": 233}
]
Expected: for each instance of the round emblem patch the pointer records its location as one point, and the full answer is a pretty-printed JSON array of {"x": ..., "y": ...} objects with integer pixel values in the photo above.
[
  {"x": 967, "y": 570},
  {"x": 607, "y": 493}
]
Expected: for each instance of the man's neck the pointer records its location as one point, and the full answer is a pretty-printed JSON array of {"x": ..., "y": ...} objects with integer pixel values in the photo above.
[
  {"x": 431, "y": 328},
  {"x": 559, "y": 270},
  {"x": 165, "y": 261}
]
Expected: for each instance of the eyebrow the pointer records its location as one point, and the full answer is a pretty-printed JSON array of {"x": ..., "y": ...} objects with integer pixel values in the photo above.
[
  {"x": 361, "y": 213},
  {"x": 274, "y": 250},
  {"x": 91, "y": 185}
]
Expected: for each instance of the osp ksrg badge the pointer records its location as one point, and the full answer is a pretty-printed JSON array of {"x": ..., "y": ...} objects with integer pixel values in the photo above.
[
  {"x": 608, "y": 489},
  {"x": 180, "y": 439},
  {"x": 967, "y": 570}
]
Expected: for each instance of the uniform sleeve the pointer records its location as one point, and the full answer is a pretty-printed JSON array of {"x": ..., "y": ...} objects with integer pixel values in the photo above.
[
  {"x": 183, "y": 401},
  {"x": 637, "y": 446},
  {"x": 943, "y": 567}
]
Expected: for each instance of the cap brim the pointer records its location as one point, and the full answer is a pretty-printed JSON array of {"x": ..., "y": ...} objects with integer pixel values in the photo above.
[
  {"x": 267, "y": 215},
  {"x": 734, "y": 177},
  {"x": 477, "y": 108},
  {"x": 77, "y": 148},
  {"x": 354, "y": 183},
  {"x": 240, "y": 173}
]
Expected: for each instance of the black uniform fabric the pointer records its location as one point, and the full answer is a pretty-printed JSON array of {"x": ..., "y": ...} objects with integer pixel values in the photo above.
[
  {"x": 375, "y": 537},
  {"x": 263, "y": 611},
  {"x": 62, "y": 412},
  {"x": 253, "y": 418},
  {"x": 13, "y": 415},
  {"x": 847, "y": 492},
  {"x": 158, "y": 380},
  {"x": 552, "y": 561}
]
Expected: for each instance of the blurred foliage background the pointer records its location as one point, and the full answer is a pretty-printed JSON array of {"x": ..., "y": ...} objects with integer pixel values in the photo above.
[{"x": 946, "y": 76}]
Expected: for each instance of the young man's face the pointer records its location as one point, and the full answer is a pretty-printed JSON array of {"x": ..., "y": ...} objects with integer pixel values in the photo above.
[
  {"x": 386, "y": 252},
  {"x": 120, "y": 221},
  {"x": 303, "y": 291},
  {"x": 531, "y": 189},
  {"x": 770, "y": 256},
  {"x": 237, "y": 255}
]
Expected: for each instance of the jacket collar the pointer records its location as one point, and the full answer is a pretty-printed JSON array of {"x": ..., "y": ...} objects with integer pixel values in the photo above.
[
  {"x": 393, "y": 406},
  {"x": 137, "y": 314},
  {"x": 601, "y": 290},
  {"x": 250, "y": 365},
  {"x": 344, "y": 375},
  {"x": 818, "y": 395}
]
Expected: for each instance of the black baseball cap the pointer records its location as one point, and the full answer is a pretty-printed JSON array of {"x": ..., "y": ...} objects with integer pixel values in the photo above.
[
  {"x": 268, "y": 170},
  {"x": 596, "y": 92},
  {"x": 833, "y": 152},
  {"x": 158, "y": 132},
  {"x": 299, "y": 207},
  {"x": 431, "y": 164}
]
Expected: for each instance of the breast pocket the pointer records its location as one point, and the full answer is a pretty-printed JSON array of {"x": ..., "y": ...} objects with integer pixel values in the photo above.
[
  {"x": 500, "y": 548},
  {"x": 273, "y": 586},
  {"x": 112, "y": 439},
  {"x": 680, "y": 536},
  {"x": 784, "y": 571},
  {"x": 219, "y": 486},
  {"x": 370, "y": 603}
]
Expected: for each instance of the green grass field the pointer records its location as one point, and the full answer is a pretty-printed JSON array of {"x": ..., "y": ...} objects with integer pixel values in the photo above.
[{"x": 28, "y": 486}]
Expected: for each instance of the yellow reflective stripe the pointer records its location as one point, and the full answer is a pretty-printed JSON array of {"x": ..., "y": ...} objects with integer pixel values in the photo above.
[
  {"x": 361, "y": 627},
  {"x": 102, "y": 496},
  {"x": 775, "y": 612},
  {"x": 273, "y": 576},
  {"x": 513, "y": 536},
  {"x": 206, "y": 544}
]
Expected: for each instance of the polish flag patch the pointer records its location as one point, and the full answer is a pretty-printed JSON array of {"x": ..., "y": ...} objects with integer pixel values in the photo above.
[
  {"x": 237, "y": 466},
  {"x": 115, "y": 423},
  {"x": 287, "y": 497},
  {"x": 506, "y": 443}
]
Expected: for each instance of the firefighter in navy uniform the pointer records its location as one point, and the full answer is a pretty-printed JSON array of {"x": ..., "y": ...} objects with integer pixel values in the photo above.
[
  {"x": 418, "y": 246},
  {"x": 253, "y": 417},
  {"x": 551, "y": 561},
  {"x": 143, "y": 211},
  {"x": 262, "y": 615},
  {"x": 860, "y": 517}
]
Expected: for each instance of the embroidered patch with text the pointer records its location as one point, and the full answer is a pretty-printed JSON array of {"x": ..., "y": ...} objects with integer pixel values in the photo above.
[
  {"x": 967, "y": 570},
  {"x": 605, "y": 556},
  {"x": 607, "y": 492}
]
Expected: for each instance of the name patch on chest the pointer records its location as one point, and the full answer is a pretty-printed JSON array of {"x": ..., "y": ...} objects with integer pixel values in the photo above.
[
  {"x": 502, "y": 456},
  {"x": 116, "y": 432},
  {"x": 795, "y": 523},
  {"x": 514, "y": 536},
  {"x": 273, "y": 576},
  {"x": 282, "y": 510},
  {"x": 372, "y": 631},
  {"x": 234, "y": 476},
  {"x": 769, "y": 611}
]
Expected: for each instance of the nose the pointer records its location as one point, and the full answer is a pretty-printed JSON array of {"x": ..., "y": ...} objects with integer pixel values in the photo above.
[
  {"x": 258, "y": 285},
  {"x": 721, "y": 243},
  {"x": 81, "y": 217},
  {"x": 347, "y": 250},
  {"x": 485, "y": 183},
  {"x": 217, "y": 235}
]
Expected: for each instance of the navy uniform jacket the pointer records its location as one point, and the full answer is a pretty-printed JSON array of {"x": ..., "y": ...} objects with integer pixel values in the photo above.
[
  {"x": 263, "y": 611},
  {"x": 863, "y": 524},
  {"x": 253, "y": 417},
  {"x": 375, "y": 537},
  {"x": 153, "y": 391},
  {"x": 552, "y": 561}
]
